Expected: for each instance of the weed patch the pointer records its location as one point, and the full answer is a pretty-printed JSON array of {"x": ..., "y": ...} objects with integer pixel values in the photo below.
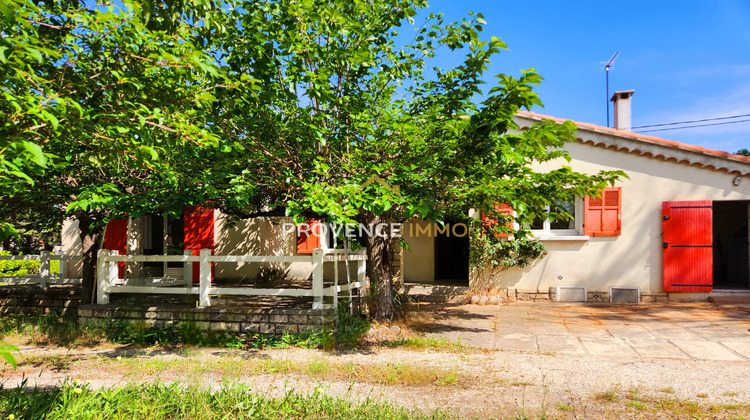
[
  {"x": 432, "y": 344},
  {"x": 637, "y": 405},
  {"x": 607, "y": 396},
  {"x": 320, "y": 367}
]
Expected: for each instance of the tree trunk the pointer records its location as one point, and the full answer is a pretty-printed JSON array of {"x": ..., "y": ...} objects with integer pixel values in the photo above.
[
  {"x": 379, "y": 254},
  {"x": 90, "y": 240}
]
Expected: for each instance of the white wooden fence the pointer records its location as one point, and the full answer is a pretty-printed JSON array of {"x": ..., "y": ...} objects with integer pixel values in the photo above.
[
  {"x": 108, "y": 281},
  {"x": 45, "y": 276}
]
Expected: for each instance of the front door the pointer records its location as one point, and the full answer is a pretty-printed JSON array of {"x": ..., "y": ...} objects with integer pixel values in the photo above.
[{"x": 687, "y": 242}]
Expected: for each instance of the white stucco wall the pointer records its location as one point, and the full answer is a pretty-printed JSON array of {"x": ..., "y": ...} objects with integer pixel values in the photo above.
[
  {"x": 632, "y": 259},
  {"x": 260, "y": 236},
  {"x": 71, "y": 245}
]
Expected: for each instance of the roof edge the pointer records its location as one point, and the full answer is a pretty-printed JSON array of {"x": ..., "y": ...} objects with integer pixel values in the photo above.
[{"x": 641, "y": 138}]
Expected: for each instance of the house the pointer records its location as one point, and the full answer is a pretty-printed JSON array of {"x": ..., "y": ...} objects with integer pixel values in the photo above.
[
  {"x": 200, "y": 228},
  {"x": 677, "y": 229}
]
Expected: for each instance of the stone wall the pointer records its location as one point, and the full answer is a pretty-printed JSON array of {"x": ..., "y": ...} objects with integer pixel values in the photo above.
[
  {"x": 241, "y": 320},
  {"x": 592, "y": 296},
  {"x": 32, "y": 299}
]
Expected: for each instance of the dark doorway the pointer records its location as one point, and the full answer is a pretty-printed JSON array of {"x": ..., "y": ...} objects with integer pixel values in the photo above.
[
  {"x": 452, "y": 256},
  {"x": 730, "y": 223},
  {"x": 153, "y": 244}
]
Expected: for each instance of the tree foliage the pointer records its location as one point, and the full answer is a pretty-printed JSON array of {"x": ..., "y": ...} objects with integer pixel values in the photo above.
[
  {"x": 263, "y": 107},
  {"x": 336, "y": 92},
  {"x": 99, "y": 94}
]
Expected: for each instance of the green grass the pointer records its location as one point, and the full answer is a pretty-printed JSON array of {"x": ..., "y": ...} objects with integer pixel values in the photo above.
[
  {"x": 233, "y": 367},
  {"x": 637, "y": 405},
  {"x": 156, "y": 401},
  {"x": 433, "y": 344},
  {"x": 607, "y": 396}
]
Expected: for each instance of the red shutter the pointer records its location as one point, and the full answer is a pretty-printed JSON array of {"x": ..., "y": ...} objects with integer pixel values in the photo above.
[
  {"x": 199, "y": 234},
  {"x": 603, "y": 215},
  {"x": 503, "y": 209},
  {"x": 307, "y": 241},
  {"x": 687, "y": 242},
  {"x": 116, "y": 239}
]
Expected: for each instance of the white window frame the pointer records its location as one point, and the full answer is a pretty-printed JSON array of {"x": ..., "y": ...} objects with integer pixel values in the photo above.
[{"x": 547, "y": 233}]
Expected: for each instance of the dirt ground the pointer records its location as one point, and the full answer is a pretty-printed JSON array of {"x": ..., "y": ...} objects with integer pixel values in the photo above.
[{"x": 467, "y": 381}]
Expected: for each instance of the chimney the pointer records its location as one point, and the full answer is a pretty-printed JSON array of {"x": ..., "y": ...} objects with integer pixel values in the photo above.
[{"x": 622, "y": 109}]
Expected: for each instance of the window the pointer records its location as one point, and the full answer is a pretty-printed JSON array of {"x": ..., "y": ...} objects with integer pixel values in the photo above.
[
  {"x": 560, "y": 227},
  {"x": 591, "y": 216}
]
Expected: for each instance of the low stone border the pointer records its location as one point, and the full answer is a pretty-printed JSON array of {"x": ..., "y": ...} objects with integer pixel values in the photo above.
[
  {"x": 241, "y": 320},
  {"x": 593, "y": 296},
  {"x": 32, "y": 299}
]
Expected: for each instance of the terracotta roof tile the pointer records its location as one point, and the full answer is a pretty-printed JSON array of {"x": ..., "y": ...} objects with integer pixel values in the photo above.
[{"x": 640, "y": 137}]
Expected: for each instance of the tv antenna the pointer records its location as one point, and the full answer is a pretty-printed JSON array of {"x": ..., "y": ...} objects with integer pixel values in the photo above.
[{"x": 608, "y": 66}]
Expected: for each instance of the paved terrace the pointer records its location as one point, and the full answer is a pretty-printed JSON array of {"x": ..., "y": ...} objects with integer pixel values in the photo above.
[{"x": 677, "y": 331}]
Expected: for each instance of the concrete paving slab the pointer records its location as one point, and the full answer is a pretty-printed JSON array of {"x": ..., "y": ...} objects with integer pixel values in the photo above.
[
  {"x": 518, "y": 342},
  {"x": 608, "y": 346},
  {"x": 721, "y": 333},
  {"x": 560, "y": 344},
  {"x": 630, "y": 331},
  {"x": 741, "y": 347},
  {"x": 674, "y": 332},
  {"x": 587, "y": 330},
  {"x": 695, "y": 324},
  {"x": 548, "y": 328},
  {"x": 656, "y": 348},
  {"x": 678, "y": 331},
  {"x": 706, "y": 350}
]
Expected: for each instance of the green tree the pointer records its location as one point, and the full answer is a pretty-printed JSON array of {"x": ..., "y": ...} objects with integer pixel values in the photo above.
[
  {"x": 99, "y": 94},
  {"x": 331, "y": 93},
  {"x": 271, "y": 108}
]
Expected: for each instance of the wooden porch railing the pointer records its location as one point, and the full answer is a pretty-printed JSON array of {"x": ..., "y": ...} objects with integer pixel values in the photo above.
[
  {"x": 45, "y": 276},
  {"x": 108, "y": 281}
]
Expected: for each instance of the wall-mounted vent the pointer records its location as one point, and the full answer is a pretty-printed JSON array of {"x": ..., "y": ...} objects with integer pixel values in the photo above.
[
  {"x": 568, "y": 293},
  {"x": 625, "y": 295}
]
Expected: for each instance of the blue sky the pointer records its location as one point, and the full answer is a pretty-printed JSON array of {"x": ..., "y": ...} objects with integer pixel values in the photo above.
[{"x": 686, "y": 59}]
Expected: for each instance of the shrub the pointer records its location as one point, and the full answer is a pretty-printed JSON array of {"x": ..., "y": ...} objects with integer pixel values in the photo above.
[{"x": 24, "y": 267}]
